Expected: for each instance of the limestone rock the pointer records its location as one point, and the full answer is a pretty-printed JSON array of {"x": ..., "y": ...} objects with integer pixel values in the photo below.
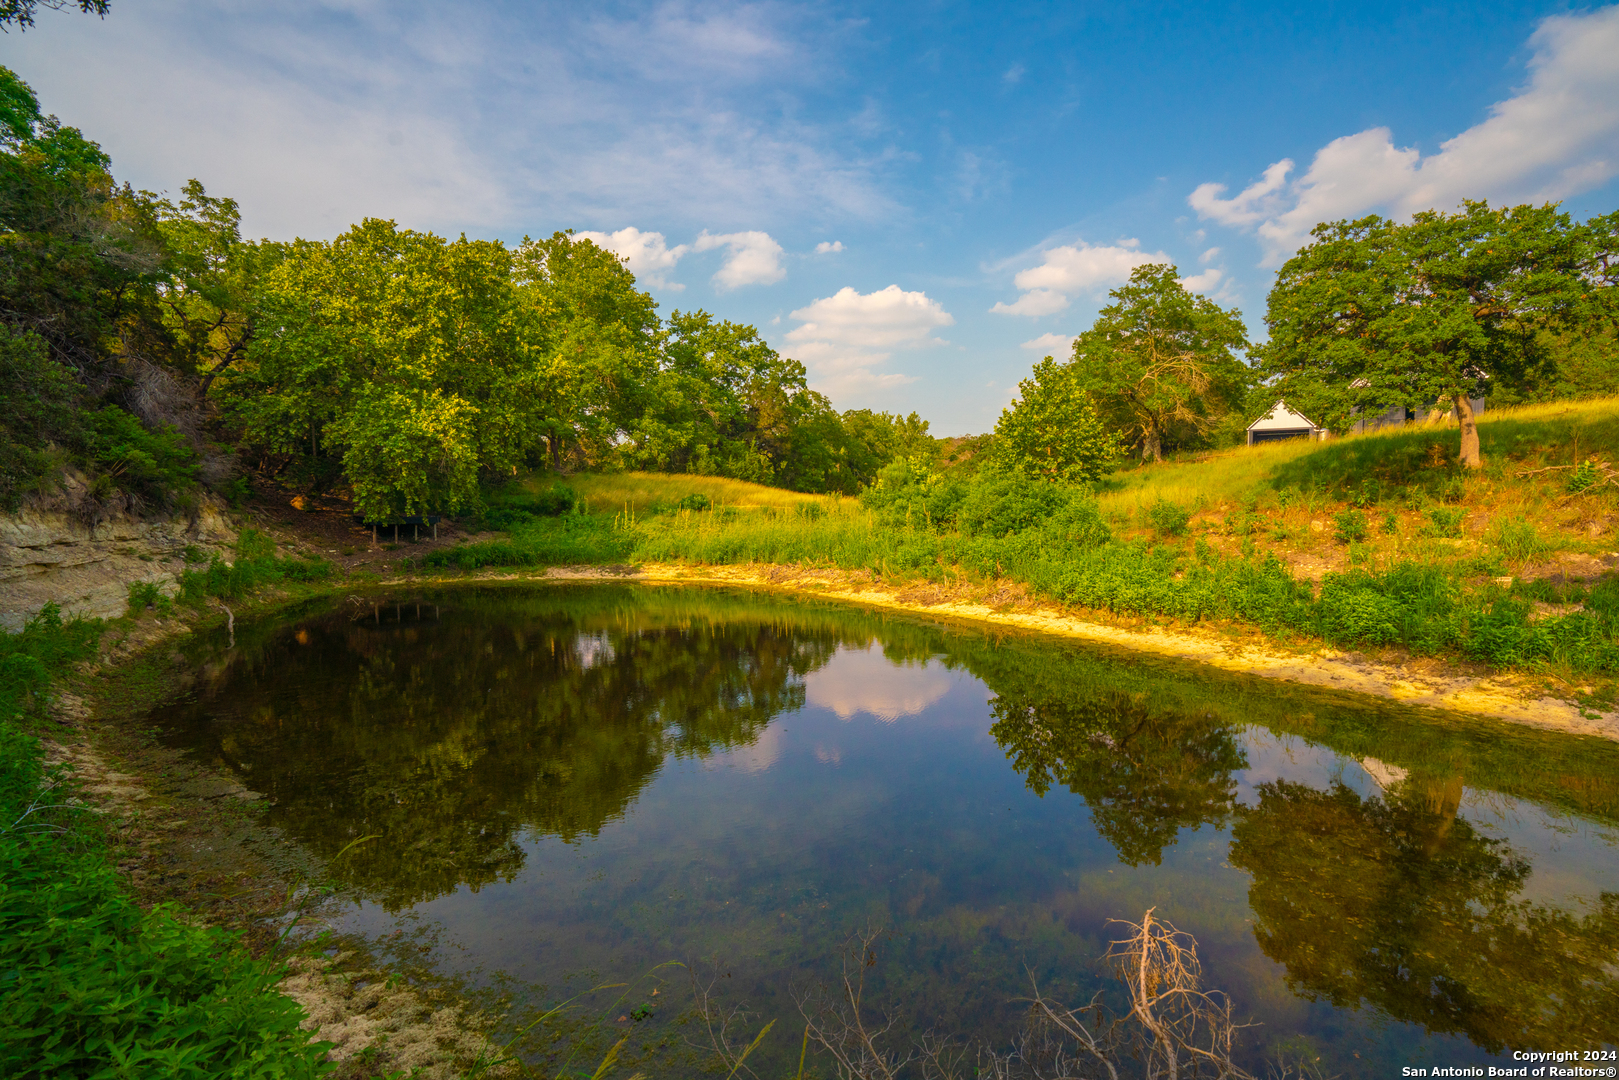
[{"x": 87, "y": 570}]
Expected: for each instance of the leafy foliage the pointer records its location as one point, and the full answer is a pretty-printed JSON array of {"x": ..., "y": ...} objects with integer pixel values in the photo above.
[
  {"x": 1160, "y": 363},
  {"x": 1052, "y": 431},
  {"x": 1376, "y": 313}
]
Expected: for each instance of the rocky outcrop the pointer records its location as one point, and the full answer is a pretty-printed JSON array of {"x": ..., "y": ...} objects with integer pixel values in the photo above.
[{"x": 48, "y": 554}]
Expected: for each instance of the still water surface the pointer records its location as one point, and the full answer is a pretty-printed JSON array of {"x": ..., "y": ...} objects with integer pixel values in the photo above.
[{"x": 580, "y": 783}]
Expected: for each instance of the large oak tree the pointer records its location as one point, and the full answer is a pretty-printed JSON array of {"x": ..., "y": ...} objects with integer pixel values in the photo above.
[{"x": 1376, "y": 313}]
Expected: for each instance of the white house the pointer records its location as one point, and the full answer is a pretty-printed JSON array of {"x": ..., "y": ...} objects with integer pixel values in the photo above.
[{"x": 1283, "y": 423}]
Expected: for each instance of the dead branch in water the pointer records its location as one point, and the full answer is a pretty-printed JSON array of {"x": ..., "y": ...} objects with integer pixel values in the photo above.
[{"x": 1174, "y": 1029}]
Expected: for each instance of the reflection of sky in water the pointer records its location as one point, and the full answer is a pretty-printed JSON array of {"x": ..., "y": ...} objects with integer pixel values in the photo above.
[
  {"x": 865, "y": 681},
  {"x": 877, "y": 793},
  {"x": 1573, "y": 859},
  {"x": 853, "y": 683}
]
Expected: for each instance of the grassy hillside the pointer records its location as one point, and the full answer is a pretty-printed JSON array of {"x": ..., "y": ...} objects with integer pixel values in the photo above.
[
  {"x": 1288, "y": 497},
  {"x": 1377, "y": 542},
  {"x": 642, "y": 492}
]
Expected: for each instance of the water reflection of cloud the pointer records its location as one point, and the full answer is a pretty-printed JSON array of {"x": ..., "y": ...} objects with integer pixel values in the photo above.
[
  {"x": 859, "y": 681},
  {"x": 758, "y": 755},
  {"x": 593, "y": 649}
]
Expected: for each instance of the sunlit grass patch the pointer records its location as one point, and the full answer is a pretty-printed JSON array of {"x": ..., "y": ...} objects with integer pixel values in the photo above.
[
  {"x": 1380, "y": 463},
  {"x": 642, "y": 491}
]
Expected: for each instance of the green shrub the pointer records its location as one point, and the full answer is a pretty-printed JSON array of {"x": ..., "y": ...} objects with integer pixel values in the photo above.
[
  {"x": 1391, "y": 523},
  {"x": 28, "y": 658},
  {"x": 695, "y": 501},
  {"x": 254, "y": 566},
  {"x": 1584, "y": 476},
  {"x": 1006, "y": 503},
  {"x": 154, "y": 465},
  {"x": 38, "y": 408},
  {"x": 1349, "y": 526},
  {"x": 1168, "y": 518},
  {"x": 1444, "y": 522},
  {"x": 147, "y": 594}
]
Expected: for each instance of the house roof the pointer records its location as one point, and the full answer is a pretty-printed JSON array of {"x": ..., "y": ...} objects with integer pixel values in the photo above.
[{"x": 1282, "y": 418}]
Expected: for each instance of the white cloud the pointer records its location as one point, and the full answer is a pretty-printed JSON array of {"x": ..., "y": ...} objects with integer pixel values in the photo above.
[
  {"x": 647, "y": 254},
  {"x": 828, "y": 247},
  {"x": 1557, "y": 137},
  {"x": 859, "y": 681},
  {"x": 1033, "y": 303},
  {"x": 846, "y": 336},
  {"x": 1209, "y": 255},
  {"x": 755, "y": 258},
  {"x": 1075, "y": 268},
  {"x": 489, "y": 117},
  {"x": 1050, "y": 344},
  {"x": 1014, "y": 74},
  {"x": 1204, "y": 282}
]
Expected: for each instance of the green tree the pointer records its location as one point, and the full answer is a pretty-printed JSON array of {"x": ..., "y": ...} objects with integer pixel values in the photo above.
[
  {"x": 1052, "y": 430},
  {"x": 876, "y": 438},
  {"x": 212, "y": 279},
  {"x": 1376, "y": 313},
  {"x": 406, "y": 356},
  {"x": 594, "y": 341},
  {"x": 1160, "y": 363}
]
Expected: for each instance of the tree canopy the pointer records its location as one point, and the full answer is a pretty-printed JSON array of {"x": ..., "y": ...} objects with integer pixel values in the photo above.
[
  {"x": 398, "y": 366},
  {"x": 1375, "y": 313},
  {"x": 1051, "y": 430},
  {"x": 1160, "y": 364}
]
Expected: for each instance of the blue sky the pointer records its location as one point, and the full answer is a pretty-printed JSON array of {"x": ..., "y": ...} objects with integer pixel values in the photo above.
[{"x": 917, "y": 200}]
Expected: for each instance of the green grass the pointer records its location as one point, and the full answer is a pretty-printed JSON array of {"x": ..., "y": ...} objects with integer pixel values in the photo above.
[
  {"x": 1397, "y": 459},
  {"x": 91, "y": 984},
  {"x": 1219, "y": 540},
  {"x": 641, "y": 492}
]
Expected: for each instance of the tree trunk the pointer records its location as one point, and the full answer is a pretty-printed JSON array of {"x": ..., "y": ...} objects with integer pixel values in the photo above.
[
  {"x": 1469, "y": 424},
  {"x": 1153, "y": 445}
]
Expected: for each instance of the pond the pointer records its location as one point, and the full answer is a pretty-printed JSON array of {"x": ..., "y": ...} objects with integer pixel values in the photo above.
[{"x": 575, "y": 784}]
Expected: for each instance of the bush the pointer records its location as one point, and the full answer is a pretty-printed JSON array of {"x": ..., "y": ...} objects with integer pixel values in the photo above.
[
  {"x": 1006, "y": 503},
  {"x": 1167, "y": 518},
  {"x": 695, "y": 501},
  {"x": 1444, "y": 522},
  {"x": 38, "y": 408},
  {"x": 255, "y": 566},
  {"x": 1349, "y": 526},
  {"x": 555, "y": 500},
  {"x": 150, "y": 464},
  {"x": 146, "y": 594}
]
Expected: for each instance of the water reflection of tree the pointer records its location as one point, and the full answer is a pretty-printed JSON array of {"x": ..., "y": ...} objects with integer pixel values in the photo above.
[
  {"x": 1145, "y": 774},
  {"x": 449, "y": 740},
  {"x": 1399, "y": 903}
]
